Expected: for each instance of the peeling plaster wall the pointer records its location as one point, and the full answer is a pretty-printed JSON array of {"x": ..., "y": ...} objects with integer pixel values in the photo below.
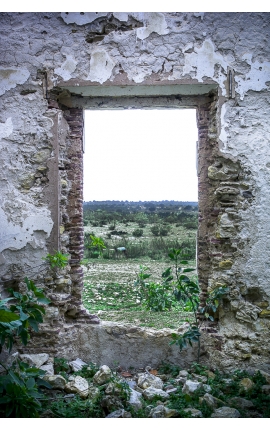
[{"x": 45, "y": 55}]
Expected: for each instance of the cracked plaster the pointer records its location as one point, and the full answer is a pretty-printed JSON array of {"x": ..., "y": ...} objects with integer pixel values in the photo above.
[{"x": 169, "y": 49}]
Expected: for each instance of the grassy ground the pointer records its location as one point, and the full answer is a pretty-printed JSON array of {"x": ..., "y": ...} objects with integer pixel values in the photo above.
[{"x": 109, "y": 291}]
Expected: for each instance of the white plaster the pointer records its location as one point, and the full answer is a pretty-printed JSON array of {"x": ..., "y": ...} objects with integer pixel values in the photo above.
[
  {"x": 199, "y": 15},
  {"x": 101, "y": 66},
  {"x": 155, "y": 23},
  {"x": 6, "y": 128},
  {"x": 14, "y": 236},
  {"x": 203, "y": 62},
  {"x": 77, "y": 18},
  {"x": 67, "y": 68},
  {"x": 11, "y": 77},
  {"x": 223, "y": 124},
  {"x": 121, "y": 16},
  {"x": 256, "y": 78}
]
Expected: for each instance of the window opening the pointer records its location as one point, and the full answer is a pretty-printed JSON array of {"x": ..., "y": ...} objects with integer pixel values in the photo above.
[{"x": 140, "y": 200}]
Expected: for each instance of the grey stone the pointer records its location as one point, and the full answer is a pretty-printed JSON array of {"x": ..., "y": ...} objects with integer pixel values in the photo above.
[
  {"x": 200, "y": 378},
  {"x": 147, "y": 380},
  {"x": 120, "y": 413},
  {"x": 241, "y": 403},
  {"x": 77, "y": 364},
  {"x": 180, "y": 381},
  {"x": 161, "y": 411},
  {"x": 266, "y": 389},
  {"x": 171, "y": 391},
  {"x": 210, "y": 400},
  {"x": 182, "y": 374},
  {"x": 48, "y": 368},
  {"x": 78, "y": 385},
  {"x": 56, "y": 381},
  {"x": 134, "y": 399},
  {"x": 190, "y": 387},
  {"x": 35, "y": 360},
  {"x": 246, "y": 384},
  {"x": 103, "y": 375},
  {"x": 111, "y": 403},
  {"x": 195, "y": 413},
  {"x": 207, "y": 388},
  {"x": 151, "y": 392},
  {"x": 226, "y": 412}
]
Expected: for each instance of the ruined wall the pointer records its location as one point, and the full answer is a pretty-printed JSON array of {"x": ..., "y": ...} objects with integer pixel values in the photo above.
[{"x": 53, "y": 65}]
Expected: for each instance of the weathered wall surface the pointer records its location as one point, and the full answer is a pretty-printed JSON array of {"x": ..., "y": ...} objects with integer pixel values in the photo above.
[{"x": 52, "y": 64}]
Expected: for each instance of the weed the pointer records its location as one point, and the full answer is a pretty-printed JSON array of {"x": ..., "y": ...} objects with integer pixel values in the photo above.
[{"x": 57, "y": 259}]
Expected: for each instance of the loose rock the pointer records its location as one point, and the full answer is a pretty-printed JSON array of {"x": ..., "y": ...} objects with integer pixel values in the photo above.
[
  {"x": 78, "y": 385},
  {"x": 246, "y": 384},
  {"x": 103, "y": 375},
  {"x": 134, "y": 399},
  {"x": 241, "y": 403},
  {"x": 161, "y": 411},
  {"x": 147, "y": 380},
  {"x": 120, "y": 413},
  {"x": 35, "y": 360},
  {"x": 77, "y": 364},
  {"x": 56, "y": 381},
  {"x": 151, "y": 392},
  {"x": 190, "y": 387},
  {"x": 226, "y": 412},
  {"x": 195, "y": 413}
]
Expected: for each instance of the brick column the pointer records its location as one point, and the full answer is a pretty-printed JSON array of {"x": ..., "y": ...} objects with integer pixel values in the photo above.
[{"x": 74, "y": 209}]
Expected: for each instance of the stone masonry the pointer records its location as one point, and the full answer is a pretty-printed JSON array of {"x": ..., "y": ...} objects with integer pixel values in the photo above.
[{"x": 55, "y": 65}]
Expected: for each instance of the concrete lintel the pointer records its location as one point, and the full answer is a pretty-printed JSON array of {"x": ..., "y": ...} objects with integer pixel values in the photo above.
[{"x": 140, "y": 90}]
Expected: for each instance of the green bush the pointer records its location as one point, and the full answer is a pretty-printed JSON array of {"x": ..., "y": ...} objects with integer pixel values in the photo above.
[
  {"x": 155, "y": 230},
  {"x": 137, "y": 232}
]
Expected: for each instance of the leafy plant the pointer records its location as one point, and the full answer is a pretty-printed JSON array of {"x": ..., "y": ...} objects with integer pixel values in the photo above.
[
  {"x": 57, "y": 259},
  {"x": 96, "y": 244},
  {"x": 25, "y": 311},
  {"x": 60, "y": 365},
  {"x": 187, "y": 291},
  {"x": 19, "y": 391},
  {"x": 19, "y": 384}
]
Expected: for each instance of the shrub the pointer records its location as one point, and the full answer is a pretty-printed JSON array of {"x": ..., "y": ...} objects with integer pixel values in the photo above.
[
  {"x": 138, "y": 232},
  {"x": 155, "y": 230}
]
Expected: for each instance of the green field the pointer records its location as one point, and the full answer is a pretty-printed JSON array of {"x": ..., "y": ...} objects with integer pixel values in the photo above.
[{"x": 109, "y": 276}]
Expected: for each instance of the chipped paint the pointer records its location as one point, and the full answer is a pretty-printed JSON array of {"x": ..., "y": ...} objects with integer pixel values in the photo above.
[
  {"x": 6, "y": 128},
  {"x": 35, "y": 229},
  {"x": 101, "y": 66},
  {"x": 257, "y": 79},
  {"x": 11, "y": 77},
  {"x": 67, "y": 68},
  {"x": 201, "y": 64},
  {"x": 154, "y": 23},
  {"x": 81, "y": 18}
]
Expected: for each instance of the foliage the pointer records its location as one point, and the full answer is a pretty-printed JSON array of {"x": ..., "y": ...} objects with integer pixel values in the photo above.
[
  {"x": 19, "y": 391},
  {"x": 213, "y": 301},
  {"x": 187, "y": 292},
  {"x": 19, "y": 384},
  {"x": 19, "y": 314},
  {"x": 60, "y": 365},
  {"x": 77, "y": 408},
  {"x": 57, "y": 259},
  {"x": 88, "y": 370},
  {"x": 138, "y": 232},
  {"x": 25, "y": 311},
  {"x": 96, "y": 244}
]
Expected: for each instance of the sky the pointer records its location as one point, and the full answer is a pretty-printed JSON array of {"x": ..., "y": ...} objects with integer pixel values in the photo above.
[{"x": 140, "y": 155}]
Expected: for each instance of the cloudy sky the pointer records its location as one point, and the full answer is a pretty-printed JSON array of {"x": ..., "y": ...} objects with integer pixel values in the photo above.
[{"x": 140, "y": 155}]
